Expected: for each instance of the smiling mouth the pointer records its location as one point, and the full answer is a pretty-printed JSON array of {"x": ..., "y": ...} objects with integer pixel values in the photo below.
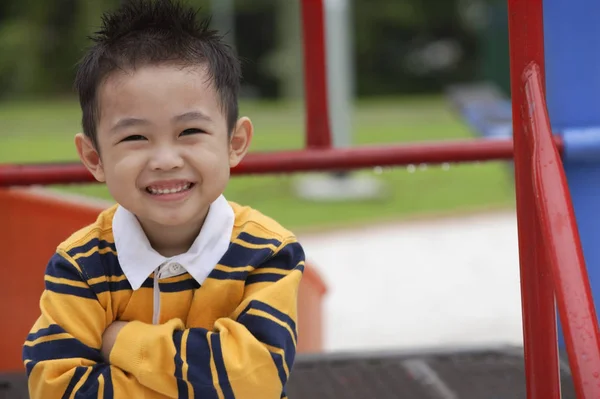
[{"x": 157, "y": 190}]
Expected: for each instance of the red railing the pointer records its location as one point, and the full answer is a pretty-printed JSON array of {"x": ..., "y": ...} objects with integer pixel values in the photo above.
[
  {"x": 560, "y": 243},
  {"x": 297, "y": 161},
  {"x": 526, "y": 39}
]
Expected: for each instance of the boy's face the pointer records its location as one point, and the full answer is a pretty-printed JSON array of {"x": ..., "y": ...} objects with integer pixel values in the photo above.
[{"x": 164, "y": 150}]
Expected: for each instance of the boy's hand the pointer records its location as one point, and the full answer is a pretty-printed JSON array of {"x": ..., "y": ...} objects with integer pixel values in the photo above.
[{"x": 109, "y": 337}]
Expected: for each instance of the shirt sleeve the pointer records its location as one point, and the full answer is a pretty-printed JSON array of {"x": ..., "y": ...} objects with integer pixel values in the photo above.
[
  {"x": 62, "y": 351},
  {"x": 246, "y": 356}
]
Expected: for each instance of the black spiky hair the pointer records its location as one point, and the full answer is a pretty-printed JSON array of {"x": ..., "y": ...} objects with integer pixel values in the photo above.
[{"x": 145, "y": 32}]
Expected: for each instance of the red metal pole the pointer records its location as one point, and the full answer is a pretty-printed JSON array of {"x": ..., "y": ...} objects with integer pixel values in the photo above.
[
  {"x": 318, "y": 132},
  {"x": 563, "y": 246},
  {"x": 537, "y": 295},
  {"x": 297, "y": 161}
]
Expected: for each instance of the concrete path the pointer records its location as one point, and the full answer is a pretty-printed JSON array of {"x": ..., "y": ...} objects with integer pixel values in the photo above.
[{"x": 453, "y": 281}]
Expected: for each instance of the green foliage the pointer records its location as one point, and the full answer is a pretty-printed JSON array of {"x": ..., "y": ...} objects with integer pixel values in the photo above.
[{"x": 42, "y": 40}]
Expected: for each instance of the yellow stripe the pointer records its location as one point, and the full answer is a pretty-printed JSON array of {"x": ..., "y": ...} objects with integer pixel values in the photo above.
[
  {"x": 101, "y": 279},
  {"x": 80, "y": 382},
  {"x": 65, "y": 281},
  {"x": 213, "y": 369},
  {"x": 279, "y": 351},
  {"x": 273, "y": 270},
  {"x": 254, "y": 246},
  {"x": 48, "y": 338},
  {"x": 177, "y": 279},
  {"x": 91, "y": 251},
  {"x": 229, "y": 269},
  {"x": 100, "y": 386},
  {"x": 185, "y": 367},
  {"x": 263, "y": 314}
]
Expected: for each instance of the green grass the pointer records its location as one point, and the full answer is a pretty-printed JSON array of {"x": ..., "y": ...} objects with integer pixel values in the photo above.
[{"x": 38, "y": 131}]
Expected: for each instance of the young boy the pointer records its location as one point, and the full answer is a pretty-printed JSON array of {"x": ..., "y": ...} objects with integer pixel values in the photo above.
[{"x": 174, "y": 292}]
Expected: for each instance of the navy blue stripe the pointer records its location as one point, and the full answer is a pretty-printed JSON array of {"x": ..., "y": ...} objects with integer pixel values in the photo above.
[
  {"x": 148, "y": 283},
  {"x": 109, "y": 392},
  {"x": 43, "y": 332},
  {"x": 68, "y": 348},
  {"x": 222, "y": 275},
  {"x": 287, "y": 258},
  {"x": 250, "y": 239},
  {"x": 278, "y": 360},
  {"x": 198, "y": 359},
  {"x": 79, "y": 371},
  {"x": 94, "y": 242},
  {"x": 215, "y": 341},
  {"x": 79, "y": 292},
  {"x": 184, "y": 285},
  {"x": 240, "y": 256},
  {"x": 271, "y": 333},
  {"x": 99, "y": 265},
  {"x": 182, "y": 388},
  {"x": 272, "y": 311},
  {"x": 89, "y": 389},
  {"x": 59, "y": 267},
  {"x": 283, "y": 394},
  {"x": 29, "y": 367},
  {"x": 111, "y": 286}
]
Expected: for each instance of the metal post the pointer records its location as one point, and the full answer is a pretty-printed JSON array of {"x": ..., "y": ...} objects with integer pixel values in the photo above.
[{"x": 340, "y": 94}]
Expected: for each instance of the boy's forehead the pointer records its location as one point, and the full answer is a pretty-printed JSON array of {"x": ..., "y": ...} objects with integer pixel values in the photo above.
[{"x": 158, "y": 91}]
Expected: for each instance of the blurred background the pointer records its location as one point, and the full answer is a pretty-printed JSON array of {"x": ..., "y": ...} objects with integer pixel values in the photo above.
[
  {"x": 437, "y": 244},
  {"x": 403, "y": 55}
]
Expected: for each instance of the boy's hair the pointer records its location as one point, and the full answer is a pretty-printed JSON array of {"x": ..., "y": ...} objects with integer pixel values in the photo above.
[{"x": 146, "y": 32}]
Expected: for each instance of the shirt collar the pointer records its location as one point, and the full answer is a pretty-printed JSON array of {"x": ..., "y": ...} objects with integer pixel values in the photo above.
[{"x": 138, "y": 259}]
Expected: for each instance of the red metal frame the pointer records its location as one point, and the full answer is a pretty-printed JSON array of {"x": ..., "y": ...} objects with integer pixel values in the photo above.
[
  {"x": 297, "y": 161},
  {"x": 537, "y": 292},
  {"x": 561, "y": 243},
  {"x": 318, "y": 133}
]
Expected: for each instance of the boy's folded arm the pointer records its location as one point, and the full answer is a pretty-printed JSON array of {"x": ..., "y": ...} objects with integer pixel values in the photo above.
[
  {"x": 62, "y": 352},
  {"x": 247, "y": 355}
]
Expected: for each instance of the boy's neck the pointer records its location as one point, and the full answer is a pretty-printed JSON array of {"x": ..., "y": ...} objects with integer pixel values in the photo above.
[{"x": 170, "y": 241}]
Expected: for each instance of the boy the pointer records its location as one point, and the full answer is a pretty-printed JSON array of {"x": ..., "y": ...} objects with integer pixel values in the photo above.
[{"x": 173, "y": 292}]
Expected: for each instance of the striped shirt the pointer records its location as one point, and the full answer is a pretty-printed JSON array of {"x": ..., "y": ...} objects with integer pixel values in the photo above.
[{"x": 230, "y": 334}]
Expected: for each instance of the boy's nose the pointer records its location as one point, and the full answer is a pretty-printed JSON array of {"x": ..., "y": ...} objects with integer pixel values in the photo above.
[{"x": 166, "y": 159}]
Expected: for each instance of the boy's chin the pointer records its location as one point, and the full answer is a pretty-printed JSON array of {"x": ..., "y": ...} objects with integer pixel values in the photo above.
[{"x": 182, "y": 216}]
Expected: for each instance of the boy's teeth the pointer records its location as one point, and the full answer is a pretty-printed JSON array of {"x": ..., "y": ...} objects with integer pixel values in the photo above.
[{"x": 174, "y": 190}]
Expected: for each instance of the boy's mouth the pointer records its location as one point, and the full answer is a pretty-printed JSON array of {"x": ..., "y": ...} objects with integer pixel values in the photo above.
[{"x": 164, "y": 189}]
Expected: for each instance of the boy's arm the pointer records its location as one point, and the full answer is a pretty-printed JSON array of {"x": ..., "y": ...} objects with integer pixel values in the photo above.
[
  {"x": 62, "y": 352},
  {"x": 246, "y": 356}
]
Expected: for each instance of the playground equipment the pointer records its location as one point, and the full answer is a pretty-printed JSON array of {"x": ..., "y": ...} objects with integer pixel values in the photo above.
[{"x": 553, "y": 269}]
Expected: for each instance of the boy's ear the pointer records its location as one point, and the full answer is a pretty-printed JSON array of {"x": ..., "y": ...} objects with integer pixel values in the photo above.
[
  {"x": 240, "y": 141},
  {"x": 89, "y": 156}
]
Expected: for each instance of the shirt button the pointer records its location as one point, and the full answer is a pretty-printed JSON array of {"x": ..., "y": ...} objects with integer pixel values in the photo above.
[{"x": 174, "y": 267}]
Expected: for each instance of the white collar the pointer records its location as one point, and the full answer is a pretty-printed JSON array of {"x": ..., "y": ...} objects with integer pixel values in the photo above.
[{"x": 138, "y": 259}]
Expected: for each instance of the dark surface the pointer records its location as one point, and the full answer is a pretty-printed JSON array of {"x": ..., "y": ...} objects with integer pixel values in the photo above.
[
  {"x": 13, "y": 386},
  {"x": 456, "y": 374}
]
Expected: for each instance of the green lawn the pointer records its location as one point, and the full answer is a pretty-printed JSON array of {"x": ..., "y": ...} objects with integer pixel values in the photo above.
[{"x": 39, "y": 131}]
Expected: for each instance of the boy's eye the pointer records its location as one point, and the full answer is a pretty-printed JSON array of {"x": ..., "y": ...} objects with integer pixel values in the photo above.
[
  {"x": 134, "y": 137},
  {"x": 191, "y": 131}
]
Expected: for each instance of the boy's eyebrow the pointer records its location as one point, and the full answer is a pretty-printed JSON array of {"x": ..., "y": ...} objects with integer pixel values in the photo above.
[
  {"x": 192, "y": 115},
  {"x": 129, "y": 122},
  {"x": 188, "y": 116}
]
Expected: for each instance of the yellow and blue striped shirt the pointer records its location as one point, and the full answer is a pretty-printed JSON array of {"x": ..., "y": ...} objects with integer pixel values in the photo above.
[{"x": 233, "y": 336}]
